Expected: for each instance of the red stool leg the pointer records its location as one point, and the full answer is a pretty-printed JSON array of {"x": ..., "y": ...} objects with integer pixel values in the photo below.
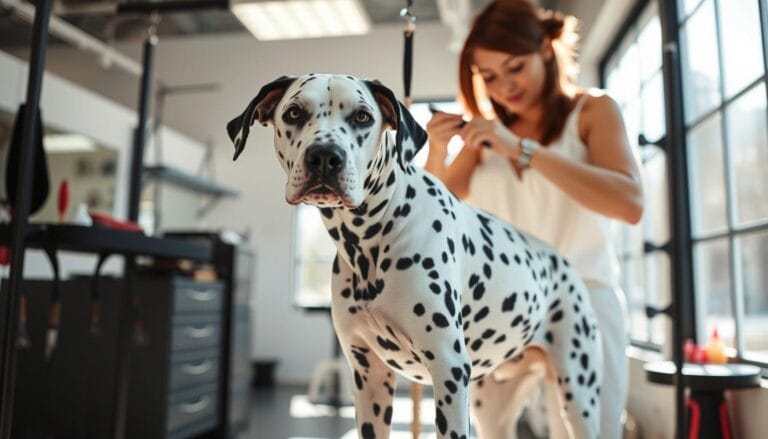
[
  {"x": 725, "y": 422},
  {"x": 695, "y": 418}
]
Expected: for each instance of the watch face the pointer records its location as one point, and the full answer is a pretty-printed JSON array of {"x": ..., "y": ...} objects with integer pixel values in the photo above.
[{"x": 528, "y": 145}]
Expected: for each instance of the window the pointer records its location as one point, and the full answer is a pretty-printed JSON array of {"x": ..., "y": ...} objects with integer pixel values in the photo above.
[
  {"x": 634, "y": 79},
  {"x": 723, "y": 69},
  {"x": 313, "y": 258},
  {"x": 314, "y": 250},
  {"x": 724, "y": 89}
]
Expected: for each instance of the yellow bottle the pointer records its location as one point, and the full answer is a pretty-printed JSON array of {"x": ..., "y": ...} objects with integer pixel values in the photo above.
[{"x": 716, "y": 349}]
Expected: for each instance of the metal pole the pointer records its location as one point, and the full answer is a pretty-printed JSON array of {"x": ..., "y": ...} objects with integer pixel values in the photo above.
[
  {"x": 126, "y": 315},
  {"x": 137, "y": 157},
  {"x": 679, "y": 210},
  {"x": 170, "y": 6},
  {"x": 21, "y": 211}
]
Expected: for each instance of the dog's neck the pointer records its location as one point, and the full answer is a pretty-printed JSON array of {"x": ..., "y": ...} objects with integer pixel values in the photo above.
[{"x": 358, "y": 233}]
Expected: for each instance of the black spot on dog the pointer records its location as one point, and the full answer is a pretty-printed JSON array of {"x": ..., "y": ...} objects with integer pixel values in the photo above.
[
  {"x": 367, "y": 431},
  {"x": 404, "y": 263},
  {"x": 442, "y": 424},
  {"x": 584, "y": 360},
  {"x": 483, "y": 313},
  {"x": 440, "y": 320},
  {"x": 509, "y": 303}
]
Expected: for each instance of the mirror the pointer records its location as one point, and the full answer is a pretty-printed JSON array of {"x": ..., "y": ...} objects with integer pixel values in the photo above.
[{"x": 89, "y": 168}]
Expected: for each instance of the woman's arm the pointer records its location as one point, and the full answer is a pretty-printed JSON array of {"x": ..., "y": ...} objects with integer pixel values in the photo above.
[
  {"x": 610, "y": 183},
  {"x": 455, "y": 176}
]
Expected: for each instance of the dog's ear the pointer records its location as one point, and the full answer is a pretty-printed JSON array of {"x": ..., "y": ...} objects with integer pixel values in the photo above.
[
  {"x": 262, "y": 107},
  {"x": 410, "y": 135}
]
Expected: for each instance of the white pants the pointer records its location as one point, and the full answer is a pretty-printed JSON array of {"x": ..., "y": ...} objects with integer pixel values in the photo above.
[{"x": 610, "y": 309}]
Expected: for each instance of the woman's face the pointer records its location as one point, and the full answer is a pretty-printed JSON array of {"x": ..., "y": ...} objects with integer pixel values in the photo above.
[{"x": 514, "y": 81}]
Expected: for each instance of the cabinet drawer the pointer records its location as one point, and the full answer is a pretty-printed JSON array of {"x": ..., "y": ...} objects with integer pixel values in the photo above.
[
  {"x": 197, "y": 296},
  {"x": 194, "y": 368},
  {"x": 195, "y": 333},
  {"x": 191, "y": 407}
]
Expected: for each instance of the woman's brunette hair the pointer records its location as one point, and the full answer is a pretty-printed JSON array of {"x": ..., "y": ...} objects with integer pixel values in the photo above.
[{"x": 519, "y": 27}]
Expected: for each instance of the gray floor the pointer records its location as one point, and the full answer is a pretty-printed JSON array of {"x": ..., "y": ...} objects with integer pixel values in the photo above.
[{"x": 284, "y": 412}]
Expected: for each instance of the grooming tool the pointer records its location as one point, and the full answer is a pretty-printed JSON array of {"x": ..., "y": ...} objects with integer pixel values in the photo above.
[
  {"x": 63, "y": 202},
  {"x": 54, "y": 321},
  {"x": 433, "y": 109},
  {"x": 23, "y": 341},
  {"x": 54, "y": 307}
]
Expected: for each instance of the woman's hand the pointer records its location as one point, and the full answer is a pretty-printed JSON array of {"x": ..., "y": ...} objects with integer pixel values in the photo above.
[
  {"x": 491, "y": 133},
  {"x": 441, "y": 128}
]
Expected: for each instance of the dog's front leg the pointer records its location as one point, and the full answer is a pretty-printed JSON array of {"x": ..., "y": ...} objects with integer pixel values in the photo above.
[
  {"x": 450, "y": 372},
  {"x": 374, "y": 389}
]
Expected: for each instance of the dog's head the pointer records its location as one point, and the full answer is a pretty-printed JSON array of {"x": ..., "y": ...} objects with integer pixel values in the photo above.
[{"x": 328, "y": 132}]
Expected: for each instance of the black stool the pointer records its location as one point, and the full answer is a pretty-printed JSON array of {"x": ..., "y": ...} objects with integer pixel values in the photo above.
[{"x": 707, "y": 410}]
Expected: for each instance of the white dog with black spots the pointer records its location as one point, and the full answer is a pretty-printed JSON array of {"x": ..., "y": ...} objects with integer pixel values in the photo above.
[{"x": 424, "y": 285}]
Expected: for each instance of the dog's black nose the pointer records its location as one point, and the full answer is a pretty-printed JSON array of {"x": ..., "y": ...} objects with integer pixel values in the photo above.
[{"x": 325, "y": 160}]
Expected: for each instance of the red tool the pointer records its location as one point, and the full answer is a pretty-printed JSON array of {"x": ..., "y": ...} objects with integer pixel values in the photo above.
[
  {"x": 108, "y": 221},
  {"x": 5, "y": 256},
  {"x": 63, "y": 200}
]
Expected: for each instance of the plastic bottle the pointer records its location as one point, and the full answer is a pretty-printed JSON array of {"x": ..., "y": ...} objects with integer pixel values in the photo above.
[{"x": 716, "y": 349}]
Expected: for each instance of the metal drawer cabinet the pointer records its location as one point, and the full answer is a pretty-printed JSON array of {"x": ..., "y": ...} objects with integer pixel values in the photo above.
[{"x": 175, "y": 375}]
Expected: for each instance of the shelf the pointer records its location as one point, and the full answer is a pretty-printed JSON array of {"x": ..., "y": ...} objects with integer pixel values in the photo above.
[
  {"x": 98, "y": 239},
  {"x": 187, "y": 180}
]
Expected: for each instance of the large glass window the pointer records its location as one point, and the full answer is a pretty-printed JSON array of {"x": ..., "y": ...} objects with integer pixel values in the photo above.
[
  {"x": 727, "y": 141},
  {"x": 723, "y": 67}
]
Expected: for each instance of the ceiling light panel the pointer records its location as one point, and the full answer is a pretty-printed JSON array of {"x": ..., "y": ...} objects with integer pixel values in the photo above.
[{"x": 293, "y": 19}]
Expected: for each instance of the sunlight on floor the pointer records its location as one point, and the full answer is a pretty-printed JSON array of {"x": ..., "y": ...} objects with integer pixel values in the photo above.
[
  {"x": 301, "y": 407},
  {"x": 398, "y": 434}
]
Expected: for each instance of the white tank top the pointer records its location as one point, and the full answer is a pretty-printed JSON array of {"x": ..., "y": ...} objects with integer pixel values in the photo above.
[{"x": 537, "y": 206}]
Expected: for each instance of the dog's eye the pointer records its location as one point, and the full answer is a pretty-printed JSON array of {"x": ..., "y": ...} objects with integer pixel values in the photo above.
[
  {"x": 293, "y": 114},
  {"x": 362, "y": 117}
]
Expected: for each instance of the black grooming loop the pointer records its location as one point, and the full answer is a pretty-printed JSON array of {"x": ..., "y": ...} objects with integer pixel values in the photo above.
[
  {"x": 54, "y": 306},
  {"x": 95, "y": 301},
  {"x": 410, "y": 29}
]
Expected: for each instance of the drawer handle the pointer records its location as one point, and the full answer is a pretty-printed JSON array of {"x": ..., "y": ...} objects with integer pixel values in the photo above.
[
  {"x": 195, "y": 407},
  {"x": 197, "y": 369},
  {"x": 205, "y": 331},
  {"x": 201, "y": 296}
]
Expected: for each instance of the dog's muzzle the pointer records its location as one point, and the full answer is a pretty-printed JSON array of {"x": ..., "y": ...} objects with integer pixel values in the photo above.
[{"x": 324, "y": 164}]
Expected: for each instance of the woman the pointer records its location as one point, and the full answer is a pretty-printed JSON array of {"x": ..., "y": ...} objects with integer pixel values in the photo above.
[{"x": 548, "y": 157}]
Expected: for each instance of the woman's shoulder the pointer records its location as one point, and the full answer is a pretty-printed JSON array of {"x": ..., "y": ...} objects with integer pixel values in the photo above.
[
  {"x": 597, "y": 107},
  {"x": 597, "y": 101},
  {"x": 596, "y": 104}
]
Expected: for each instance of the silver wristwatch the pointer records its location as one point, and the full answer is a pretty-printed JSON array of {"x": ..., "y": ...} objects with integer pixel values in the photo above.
[{"x": 527, "y": 149}]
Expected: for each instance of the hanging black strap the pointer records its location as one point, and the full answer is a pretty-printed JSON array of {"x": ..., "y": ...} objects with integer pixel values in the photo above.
[{"x": 410, "y": 28}]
